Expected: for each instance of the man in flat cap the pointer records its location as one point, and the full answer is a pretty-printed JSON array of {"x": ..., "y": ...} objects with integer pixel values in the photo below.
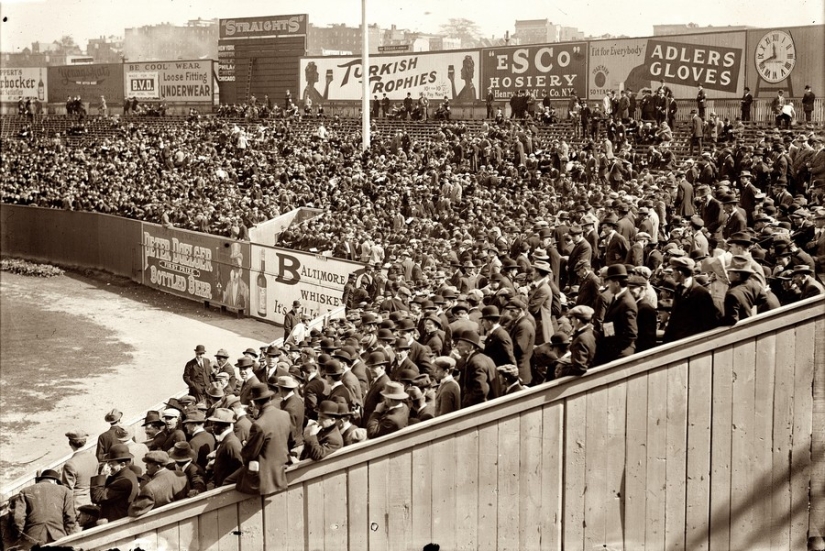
[
  {"x": 509, "y": 375},
  {"x": 162, "y": 486},
  {"x": 78, "y": 471},
  {"x": 45, "y": 511}
]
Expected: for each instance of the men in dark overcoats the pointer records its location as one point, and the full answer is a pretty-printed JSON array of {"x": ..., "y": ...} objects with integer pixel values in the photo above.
[
  {"x": 479, "y": 380},
  {"x": 227, "y": 458},
  {"x": 117, "y": 485},
  {"x": 647, "y": 319},
  {"x": 196, "y": 373},
  {"x": 618, "y": 331},
  {"x": 324, "y": 437},
  {"x": 108, "y": 439},
  {"x": 392, "y": 414},
  {"x": 266, "y": 452},
  {"x": 498, "y": 345},
  {"x": 693, "y": 309},
  {"x": 523, "y": 334},
  {"x": 292, "y": 404}
]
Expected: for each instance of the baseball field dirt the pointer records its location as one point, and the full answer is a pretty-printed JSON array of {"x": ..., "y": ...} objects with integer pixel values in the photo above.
[{"x": 76, "y": 346}]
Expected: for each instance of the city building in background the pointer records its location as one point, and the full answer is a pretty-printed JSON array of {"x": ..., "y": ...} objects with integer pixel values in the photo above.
[
  {"x": 106, "y": 49},
  {"x": 340, "y": 39},
  {"x": 198, "y": 39},
  {"x": 542, "y": 31}
]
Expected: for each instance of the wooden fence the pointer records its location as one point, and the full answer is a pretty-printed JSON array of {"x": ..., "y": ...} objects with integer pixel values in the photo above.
[{"x": 715, "y": 442}]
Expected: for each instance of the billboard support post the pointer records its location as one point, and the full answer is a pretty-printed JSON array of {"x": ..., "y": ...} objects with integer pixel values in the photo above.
[{"x": 365, "y": 81}]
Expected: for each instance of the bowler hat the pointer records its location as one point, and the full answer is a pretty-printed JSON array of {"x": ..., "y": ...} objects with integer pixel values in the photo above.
[
  {"x": 741, "y": 237},
  {"x": 407, "y": 375},
  {"x": 490, "y": 312},
  {"x": 273, "y": 350},
  {"x": 559, "y": 339},
  {"x": 328, "y": 408},
  {"x": 333, "y": 367},
  {"x": 376, "y": 358},
  {"x": 48, "y": 473},
  {"x": 181, "y": 451},
  {"x": 406, "y": 324},
  {"x": 616, "y": 271},
  {"x": 200, "y": 349},
  {"x": 471, "y": 337},
  {"x": 610, "y": 219},
  {"x": 402, "y": 344},
  {"x": 251, "y": 351}
]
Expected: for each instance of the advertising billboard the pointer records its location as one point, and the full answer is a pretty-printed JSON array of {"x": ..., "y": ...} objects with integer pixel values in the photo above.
[
  {"x": 174, "y": 81},
  {"x": 281, "y": 276},
  {"x": 558, "y": 70},
  {"x": 451, "y": 74},
  {"x": 23, "y": 82},
  {"x": 258, "y": 27},
  {"x": 196, "y": 266},
  {"x": 682, "y": 62},
  {"x": 87, "y": 81},
  {"x": 786, "y": 58}
]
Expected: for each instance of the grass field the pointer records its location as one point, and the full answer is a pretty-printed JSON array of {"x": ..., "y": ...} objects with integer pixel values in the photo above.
[{"x": 75, "y": 346}]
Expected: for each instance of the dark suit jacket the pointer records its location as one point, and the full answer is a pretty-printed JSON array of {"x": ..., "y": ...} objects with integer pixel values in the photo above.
[
  {"x": 622, "y": 314},
  {"x": 374, "y": 397},
  {"x": 318, "y": 446},
  {"x": 647, "y": 322},
  {"x": 523, "y": 334},
  {"x": 246, "y": 389},
  {"x": 589, "y": 291},
  {"x": 294, "y": 406},
  {"x": 615, "y": 250},
  {"x": 499, "y": 347},
  {"x": 420, "y": 356},
  {"x": 388, "y": 422},
  {"x": 315, "y": 392},
  {"x": 194, "y": 474},
  {"x": 197, "y": 377},
  {"x": 242, "y": 428},
  {"x": 105, "y": 441},
  {"x": 268, "y": 445},
  {"x": 693, "y": 312},
  {"x": 202, "y": 444},
  {"x": 581, "y": 251},
  {"x": 228, "y": 459},
  {"x": 447, "y": 397},
  {"x": 114, "y": 493},
  {"x": 479, "y": 379}
]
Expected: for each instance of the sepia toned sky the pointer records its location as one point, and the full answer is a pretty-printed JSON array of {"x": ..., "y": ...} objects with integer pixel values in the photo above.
[{"x": 26, "y": 21}]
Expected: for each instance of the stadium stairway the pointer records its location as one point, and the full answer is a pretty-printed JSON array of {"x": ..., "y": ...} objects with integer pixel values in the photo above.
[{"x": 713, "y": 442}]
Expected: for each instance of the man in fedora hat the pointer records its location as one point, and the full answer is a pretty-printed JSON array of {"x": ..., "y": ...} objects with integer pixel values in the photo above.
[
  {"x": 736, "y": 220},
  {"x": 803, "y": 278},
  {"x": 117, "y": 485},
  {"x": 226, "y": 459},
  {"x": 78, "y": 471},
  {"x": 246, "y": 370},
  {"x": 478, "y": 377},
  {"x": 377, "y": 365},
  {"x": 497, "y": 342},
  {"x": 291, "y": 318},
  {"x": 45, "y": 511},
  {"x": 618, "y": 330},
  {"x": 693, "y": 309},
  {"x": 615, "y": 245},
  {"x": 323, "y": 437},
  {"x": 107, "y": 439},
  {"x": 200, "y": 440},
  {"x": 522, "y": 328},
  {"x": 392, "y": 414},
  {"x": 540, "y": 300},
  {"x": 291, "y": 402},
  {"x": 742, "y": 296},
  {"x": 266, "y": 453},
  {"x": 162, "y": 486},
  {"x": 153, "y": 425},
  {"x": 197, "y": 371},
  {"x": 182, "y": 459}
]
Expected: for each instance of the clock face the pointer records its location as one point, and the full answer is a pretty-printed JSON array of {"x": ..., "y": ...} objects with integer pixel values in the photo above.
[{"x": 775, "y": 56}]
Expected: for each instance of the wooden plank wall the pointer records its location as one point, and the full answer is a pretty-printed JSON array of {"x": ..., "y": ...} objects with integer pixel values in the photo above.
[{"x": 712, "y": 451}]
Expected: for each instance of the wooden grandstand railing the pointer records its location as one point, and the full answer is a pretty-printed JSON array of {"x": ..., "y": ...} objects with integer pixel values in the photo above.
[{"x": 714, "y": 442}]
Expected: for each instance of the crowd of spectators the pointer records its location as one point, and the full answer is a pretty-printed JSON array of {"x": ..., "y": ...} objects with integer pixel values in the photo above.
[{"x": 497, "y": 257}]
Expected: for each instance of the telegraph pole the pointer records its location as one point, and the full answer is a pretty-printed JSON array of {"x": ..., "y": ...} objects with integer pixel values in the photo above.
[{"x": 365, "y": 79}]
